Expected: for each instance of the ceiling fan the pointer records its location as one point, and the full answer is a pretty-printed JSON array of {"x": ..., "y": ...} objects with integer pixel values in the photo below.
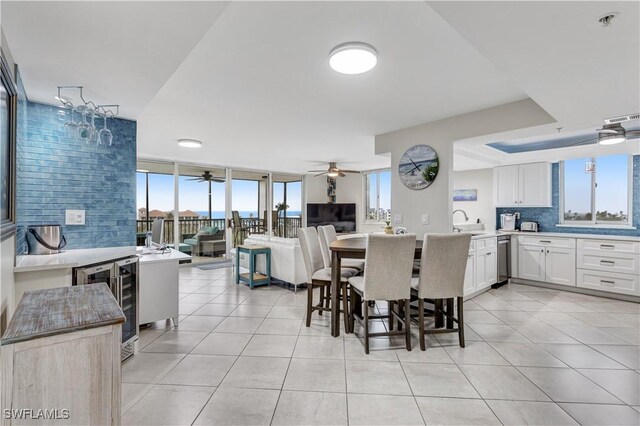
[
  {"x": 612, "y": 132},
  {"x": 207, "y": 177},
  {"x": 333, "y": 171}
]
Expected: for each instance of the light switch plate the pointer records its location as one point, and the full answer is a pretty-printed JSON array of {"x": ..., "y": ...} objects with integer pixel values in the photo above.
[
  {"x": 425, "y": 219},
  {"x": 74, "y": 217},
  {"x": 397, "y": 219}
]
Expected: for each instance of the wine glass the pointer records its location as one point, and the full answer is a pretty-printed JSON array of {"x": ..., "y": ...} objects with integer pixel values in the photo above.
[
  {"x": 104, "y": 135},
  {"x": 83, "y": 127},
  {"x": 70, "y": 125}
]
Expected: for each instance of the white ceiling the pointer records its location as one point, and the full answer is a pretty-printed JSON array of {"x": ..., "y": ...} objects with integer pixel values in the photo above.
[
  {"x": 121, "y": 52},
  {"x": 563, "y": 59},
  {"x": 251, "y": 80}
]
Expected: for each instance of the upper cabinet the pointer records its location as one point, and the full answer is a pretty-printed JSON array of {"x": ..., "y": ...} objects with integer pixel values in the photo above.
[{"x": 523, "y": 185}]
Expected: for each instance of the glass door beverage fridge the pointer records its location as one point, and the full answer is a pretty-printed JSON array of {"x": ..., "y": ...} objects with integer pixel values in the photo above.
[{"x": 122, "y": 278}]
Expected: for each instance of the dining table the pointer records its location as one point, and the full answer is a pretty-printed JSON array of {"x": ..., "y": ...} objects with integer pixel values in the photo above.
[{"x": 348, "y": 248}]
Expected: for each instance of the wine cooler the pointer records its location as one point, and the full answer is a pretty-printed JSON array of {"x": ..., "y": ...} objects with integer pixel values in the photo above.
[{"x": 122, "y": 278}]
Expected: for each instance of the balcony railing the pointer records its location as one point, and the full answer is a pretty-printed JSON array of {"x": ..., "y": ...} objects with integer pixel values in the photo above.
[{"x": 282, "y": 227}]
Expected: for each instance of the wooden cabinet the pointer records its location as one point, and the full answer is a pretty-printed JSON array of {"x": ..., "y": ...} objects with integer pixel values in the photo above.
[
  {"x": 65, "y": 363},
  {"x": 523, "y": 185},
  {"x": 551, "y": 260}
]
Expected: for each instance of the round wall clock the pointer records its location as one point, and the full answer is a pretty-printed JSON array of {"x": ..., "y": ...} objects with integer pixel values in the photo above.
[{"x": 418, "y": 167}]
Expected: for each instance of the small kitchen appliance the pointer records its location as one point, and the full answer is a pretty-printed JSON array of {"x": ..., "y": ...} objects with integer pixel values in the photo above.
[
  {"x": 507, "y": 222},
  {"x": 45, "y": 239},
  {"x": 529, "y": 227}
]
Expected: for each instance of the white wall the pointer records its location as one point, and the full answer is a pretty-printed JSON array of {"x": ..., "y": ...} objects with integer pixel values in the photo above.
[
  {"x": 436, "y": 200},
  {"x": 348, "y": 190},
  {"x": 483, "y": 209}
]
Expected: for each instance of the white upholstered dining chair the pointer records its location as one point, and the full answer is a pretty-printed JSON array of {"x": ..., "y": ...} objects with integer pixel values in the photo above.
[
  {"x": 441, "y": 278},
  {"x": 320, "y": 277},
  {"x": 327, "y": 236},
  {"x": 387, "y": 276}
]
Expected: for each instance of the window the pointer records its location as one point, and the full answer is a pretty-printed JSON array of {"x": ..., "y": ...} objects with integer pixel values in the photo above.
[
  {"x": 596, "y": 190},
  {"x": 378, "y": 195}
]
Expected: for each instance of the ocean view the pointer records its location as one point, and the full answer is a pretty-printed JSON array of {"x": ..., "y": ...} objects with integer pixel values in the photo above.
[{"x": 243, "y": 214}]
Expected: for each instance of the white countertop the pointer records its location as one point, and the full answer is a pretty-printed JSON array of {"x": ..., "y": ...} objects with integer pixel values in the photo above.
[
  {"x": 571, "y": 235},
  {"x": 167, "y": 256},
  {"x": 71, "y": 258},
  {"x": 80, "y": 257}
]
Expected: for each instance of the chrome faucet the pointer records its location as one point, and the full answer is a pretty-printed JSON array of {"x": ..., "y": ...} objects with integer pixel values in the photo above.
[{"x": 466, "y": 218}]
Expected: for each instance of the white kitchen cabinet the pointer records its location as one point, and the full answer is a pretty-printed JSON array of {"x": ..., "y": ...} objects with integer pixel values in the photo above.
[
  {"x": 470, "y": 274},
  {"x": 609, "y": 265},
  {"x": 523, "y": 185},
  {"x": 482, "y": 265},
  {"x": 506, "y": 187},
  {"x": 531, "y": 262},
  {"x": 560, "y": 266},
  {"x": 486, "y": 269}
]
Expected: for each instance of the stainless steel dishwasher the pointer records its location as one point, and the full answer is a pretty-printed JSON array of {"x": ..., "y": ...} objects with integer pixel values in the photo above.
[{"x": 504, "y": 260}]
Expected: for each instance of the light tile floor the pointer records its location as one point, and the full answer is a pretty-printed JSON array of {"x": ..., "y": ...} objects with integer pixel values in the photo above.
[{"x": 533, "y": 356}]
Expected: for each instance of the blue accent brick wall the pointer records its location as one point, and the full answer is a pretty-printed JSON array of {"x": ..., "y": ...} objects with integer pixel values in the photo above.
[
  {"x": 56, "y": 172},
  {"x": 549, "y": 217}
]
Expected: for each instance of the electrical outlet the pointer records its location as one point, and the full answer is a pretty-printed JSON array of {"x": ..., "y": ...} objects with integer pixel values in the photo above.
[
  {"x": 397, "y": 219},
  {"x": 74, "y": 217},
  {"x": 425, "y": 219}
]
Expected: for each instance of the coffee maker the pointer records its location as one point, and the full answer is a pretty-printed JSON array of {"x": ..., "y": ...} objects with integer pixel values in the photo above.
[{"x": 507, "y": 222}]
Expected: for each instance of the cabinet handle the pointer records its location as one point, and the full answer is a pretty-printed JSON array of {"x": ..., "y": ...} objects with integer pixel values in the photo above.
[
  {"x": 489, "y": 254},
  {"x": 547, "y": 251},
  {"x": 607, "y": 282},
  {"x": 608, "y": 262},
  {"x": 542, "y": 251},
  {"x": 545, "y": 242},
  {"x": 607, "y": 246}
]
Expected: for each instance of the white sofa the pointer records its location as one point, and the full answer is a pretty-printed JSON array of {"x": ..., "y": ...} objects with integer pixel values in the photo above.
[
  {"x": 286, "y": 258},
  {"x": 287, "y": 263}
]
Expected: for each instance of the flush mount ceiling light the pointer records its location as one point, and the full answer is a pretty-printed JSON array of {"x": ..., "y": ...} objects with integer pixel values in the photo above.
[
  {"x": 353, "y": 58},
  {"x": 189, "y": 143}
]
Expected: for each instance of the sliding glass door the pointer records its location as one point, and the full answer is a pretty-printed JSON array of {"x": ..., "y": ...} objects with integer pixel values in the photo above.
[
  {"x": 201, "y": 198},
  {"x": 287, "y": 205}
]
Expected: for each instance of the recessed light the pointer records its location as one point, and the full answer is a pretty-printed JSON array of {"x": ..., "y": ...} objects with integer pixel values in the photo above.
[
  {"x": 353, "y": 58},
  {"x": 142, "y": 171},
  {"x": 611, "y": 140},
  {"x": 189, "y": 143}
]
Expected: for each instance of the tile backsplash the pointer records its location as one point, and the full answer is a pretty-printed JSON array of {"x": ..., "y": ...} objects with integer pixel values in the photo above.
[
  {"x": 55, "y": 172},
  {"x": 549, "y": 217}
]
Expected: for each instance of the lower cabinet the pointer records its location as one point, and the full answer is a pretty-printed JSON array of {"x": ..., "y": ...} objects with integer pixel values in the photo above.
[
  {"x": 555, "y": 265},
  {"x": 531, "y": 262},
  {"x": 482, "y": 265},
  {"x": 486, "y": 269},
  {"x": 470, "y": 274},
  {"x": 560, "y": 266}
]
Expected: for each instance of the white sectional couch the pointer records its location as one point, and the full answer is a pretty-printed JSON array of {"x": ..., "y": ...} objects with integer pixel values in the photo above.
[
  {"x": 286, "y": 258},
  {"x": 287, "y": 263}
]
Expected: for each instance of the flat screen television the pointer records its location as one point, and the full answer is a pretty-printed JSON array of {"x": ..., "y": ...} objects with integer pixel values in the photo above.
[{"x": 341, "y": 215}]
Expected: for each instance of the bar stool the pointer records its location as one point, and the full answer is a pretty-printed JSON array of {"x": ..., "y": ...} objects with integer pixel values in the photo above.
[
  {"x": 320, "y": 277},
  {"x": 387, "y": 276},
  {"x": 441, "y": 277}
]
